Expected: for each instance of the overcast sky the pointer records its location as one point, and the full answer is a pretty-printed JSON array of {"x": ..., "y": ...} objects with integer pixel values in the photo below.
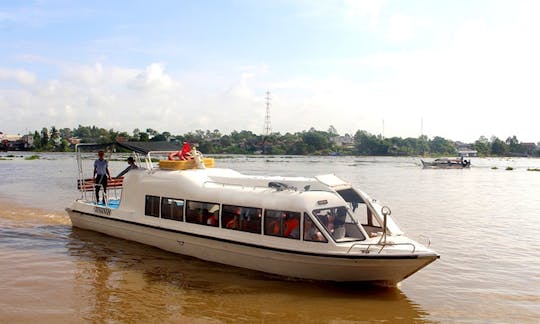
[{"x": 467, "y": 68}]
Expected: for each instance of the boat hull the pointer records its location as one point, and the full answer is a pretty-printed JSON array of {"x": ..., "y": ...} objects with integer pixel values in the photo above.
[
  {"x": 435, "y": 165},
  {"x": 389, "y": 269}
]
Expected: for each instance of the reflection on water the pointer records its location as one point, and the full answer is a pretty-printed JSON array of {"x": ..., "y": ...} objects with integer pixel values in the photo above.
[
  {"x": 49, "y": 269},
  {"x": 482, "y": 221},
  {"x": 126, "y": 281}
]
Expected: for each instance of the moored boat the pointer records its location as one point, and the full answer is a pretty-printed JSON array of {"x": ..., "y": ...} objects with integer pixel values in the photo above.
[{"x": 319, "y": 228}]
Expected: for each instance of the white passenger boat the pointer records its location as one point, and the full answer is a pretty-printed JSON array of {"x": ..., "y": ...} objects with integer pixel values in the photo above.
[{"x": 319, "y": 228}]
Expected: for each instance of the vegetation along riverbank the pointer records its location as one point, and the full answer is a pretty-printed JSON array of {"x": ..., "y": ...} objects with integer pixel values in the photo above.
[{"x": 307, "y": 142}]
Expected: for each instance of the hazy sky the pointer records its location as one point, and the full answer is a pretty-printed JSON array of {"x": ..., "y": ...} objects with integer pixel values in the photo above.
[{"x": 468, "y": 68}]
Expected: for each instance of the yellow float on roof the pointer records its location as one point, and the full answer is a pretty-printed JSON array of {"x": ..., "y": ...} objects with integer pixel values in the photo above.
[{"x": 184, "y": 164}]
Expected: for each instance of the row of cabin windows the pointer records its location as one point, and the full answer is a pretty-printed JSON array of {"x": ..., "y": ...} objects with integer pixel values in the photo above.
[{"x": 247, "y": 219}]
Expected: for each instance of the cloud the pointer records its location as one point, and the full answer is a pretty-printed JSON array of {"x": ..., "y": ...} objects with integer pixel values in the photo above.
[
  {"x": 372, "y": 9},
  {"x": 153, "y": 78},
  {"x": 403, "y": 28},
  {"x": 242, "y": 89},
  {"x": 481, "y": 78},
  {"x": 20, "y": 76}
]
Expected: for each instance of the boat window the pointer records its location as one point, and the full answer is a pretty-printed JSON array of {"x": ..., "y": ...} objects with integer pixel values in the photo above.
[
  {"x": 339, "y": 223},
  {"x": 351, "y": 196},
  {"x": 151, "y": 206},
  {"x": 204, "y": 213},
  {"x": 172, "y": 209},
  {"x": 311, "y": 231},
  {"x": 245, "y": 219},
  {"x": 365, "y": 216},
  {"x": 282, "y": 223}
]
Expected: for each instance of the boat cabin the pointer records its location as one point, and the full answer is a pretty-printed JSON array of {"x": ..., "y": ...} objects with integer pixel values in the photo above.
[{"x": 224, "y": 203}]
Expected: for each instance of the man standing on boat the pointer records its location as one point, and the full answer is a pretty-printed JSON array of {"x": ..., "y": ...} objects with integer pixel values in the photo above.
[
  {"x": 131, "y": 166},
  {"x": 101, "y": 174}
]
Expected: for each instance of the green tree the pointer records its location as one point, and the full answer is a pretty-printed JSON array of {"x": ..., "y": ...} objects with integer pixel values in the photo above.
[
  {"x": 136, "y": 134},
  {"x": 498, "y": 147},
  {"x": 55, "y": 140},
  {"x": 514, "y": 146},
  {"x": 316, "y": 140},
  {"x": 65, "y": 133},
  {"x": 422, "y": 145},
  {"x": 225, "y": 141},
  {"x": 483, "y": 146},
  {"x": 152, "y": 132},
  {"x": 64, "y": 146},
  {"x": 368, "y": 144},
  {"x": 440, "y": 145},
  {"x": 45, "y": 137},
  {"x": 37, "y": 140},
  {"x": 158, "y": 138},
  {"x": 143, "y": 137},
  {"x": 332, "y": 131}
]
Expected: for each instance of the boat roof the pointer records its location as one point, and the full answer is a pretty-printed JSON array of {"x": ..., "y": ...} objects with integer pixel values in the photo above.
[
  {"x": 139, "y": 147},
  {"x": 229, "y": 177}
]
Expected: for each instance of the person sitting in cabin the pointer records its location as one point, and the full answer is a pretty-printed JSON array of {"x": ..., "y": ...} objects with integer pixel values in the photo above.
[
  {"x": 330, "y": 217},
  {"x": 273, "y": 223},
  {"x": 234, "y": 223},
  {"x": 252, "y": 222},
  {"x": 291, "y": 226},
  {"x": 101, "y": 174},
  {"x": 339, "y": 223},
  {"x": 311, "y": 233},
  {"x": 212, "y": 220},
  {"x": 131, "y": 166}
]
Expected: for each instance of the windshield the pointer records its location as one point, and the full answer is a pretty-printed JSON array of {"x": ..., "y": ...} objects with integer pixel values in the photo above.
[{"x": 339, "y": 224}]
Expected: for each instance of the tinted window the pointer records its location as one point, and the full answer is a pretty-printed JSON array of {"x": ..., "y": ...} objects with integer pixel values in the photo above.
[
  {"x": 172, "y": 209},
  {"x": 311, "y": 231},
  {"x": 351, "y": 196},
  {"x": 339, "y": 224},
  {"x": 202, "y": 213},
  {"x": 245, "y": 219},
  {"x": 151, "y": 206},
  {"x": 282, "y": 223}
]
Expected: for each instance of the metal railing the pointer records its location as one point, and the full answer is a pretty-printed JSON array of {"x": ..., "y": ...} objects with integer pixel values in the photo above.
[
  {"x": 88, "y": 188},
  {"x": 113, "y": 192},
  {"x": 382, "y": 245}
]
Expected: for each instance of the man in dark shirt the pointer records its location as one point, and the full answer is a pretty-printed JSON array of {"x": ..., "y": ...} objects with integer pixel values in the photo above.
[{"x": 131, "y": 166}]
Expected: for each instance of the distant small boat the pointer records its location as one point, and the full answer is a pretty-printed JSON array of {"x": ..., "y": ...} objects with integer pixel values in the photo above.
[{"x": 446, "y": 163}]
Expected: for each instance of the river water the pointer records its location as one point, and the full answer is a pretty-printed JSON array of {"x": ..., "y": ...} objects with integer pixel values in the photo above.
[{"x": 484, "y": 222}]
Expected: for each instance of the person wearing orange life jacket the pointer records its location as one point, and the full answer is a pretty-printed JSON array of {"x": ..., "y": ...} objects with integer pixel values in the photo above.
[
  {"x": 291, "y": 226},
  {"x": 273, "y": 227},
  {"x": 212, "y": 220},
  {"x": 234, "y": 223}
]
